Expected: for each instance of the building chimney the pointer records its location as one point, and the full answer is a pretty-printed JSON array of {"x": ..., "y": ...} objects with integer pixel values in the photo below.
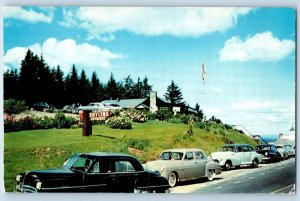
[
  {"x": 280, "y": 135},
  {"x": 153, "y": 106}
]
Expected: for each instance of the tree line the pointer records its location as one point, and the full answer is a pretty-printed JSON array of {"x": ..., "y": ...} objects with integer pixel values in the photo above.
[{"x": 36, "y": 82}]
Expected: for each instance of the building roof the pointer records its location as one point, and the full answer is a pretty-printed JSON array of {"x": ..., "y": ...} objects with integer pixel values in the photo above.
[{"x": 127, "y": 103}]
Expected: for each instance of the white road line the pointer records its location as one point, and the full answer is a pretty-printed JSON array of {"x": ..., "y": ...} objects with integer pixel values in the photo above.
[
  {"x": 284, "y": 188},
  {"x": 262, "y": 174},
  {"x": 251, "y": 178},
  {"x": 218, "y": 187},
  {"x": 237, "y": 182}
]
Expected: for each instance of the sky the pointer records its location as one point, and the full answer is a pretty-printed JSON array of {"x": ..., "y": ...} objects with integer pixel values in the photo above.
[{"x": 248, "y": 54}]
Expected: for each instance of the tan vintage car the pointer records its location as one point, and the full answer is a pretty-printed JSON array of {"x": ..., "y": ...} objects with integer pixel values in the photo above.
[{"x": 184, "y": 164}]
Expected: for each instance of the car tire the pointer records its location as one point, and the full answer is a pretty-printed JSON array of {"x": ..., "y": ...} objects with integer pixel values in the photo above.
[
  {"x": 143, "y": 191},
  {"x": 255, "y": 163},
  {"x": 227, "y": 165},
  {"x": 172, "y": 179},
  {"x": 211, "y": 175}
]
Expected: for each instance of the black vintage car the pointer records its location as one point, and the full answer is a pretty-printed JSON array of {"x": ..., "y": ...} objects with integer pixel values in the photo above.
[
  {"x": 269, "y": 152},
  {"x": 42, "y": 106},
  {"x": 94, "y": 172}
]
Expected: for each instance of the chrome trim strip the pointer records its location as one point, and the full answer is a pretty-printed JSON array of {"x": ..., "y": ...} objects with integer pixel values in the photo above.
[{"x": 75, "y": 187}]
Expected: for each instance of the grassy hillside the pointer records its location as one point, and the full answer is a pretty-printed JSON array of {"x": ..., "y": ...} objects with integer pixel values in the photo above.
[{"x": 40, "y": 149}]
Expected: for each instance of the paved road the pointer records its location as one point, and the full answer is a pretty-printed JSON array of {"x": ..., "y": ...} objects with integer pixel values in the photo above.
[{"x": 268, "y": 178}]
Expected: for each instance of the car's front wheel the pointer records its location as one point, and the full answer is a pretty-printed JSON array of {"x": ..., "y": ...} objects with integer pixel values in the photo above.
[
  {"x": 227, "y": 165},
  {"x": 143, "y": 191},
  {"x": 172, "y": 179},
  {"x": 210, "y": 175},
  {"x": 255, "y": 163}
]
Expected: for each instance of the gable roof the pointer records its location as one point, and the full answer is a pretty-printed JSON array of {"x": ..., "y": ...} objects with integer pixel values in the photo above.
[{"x": 127, "y": 103}]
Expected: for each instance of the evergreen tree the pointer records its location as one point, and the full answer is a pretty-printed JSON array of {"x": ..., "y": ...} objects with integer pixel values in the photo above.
[
  {"x": 10, "y": 82},
  {"x": 45, "y": 81},
  {"x": 111, "y": 88},
  {"x": 146, "y": 88},
  {"x": 128, "y": 87},
  {"x": 97, "y": 89},
  {"x": 59, "y": 98},
  {"x": 84, "y": 88},
  {"x": 28, "y": 79},
  {"x": 137, "y": 89},
  {"x": 200, "y": 113},
  {"x": 72, "y": 86},
  {"x": 174, "y": 94}
]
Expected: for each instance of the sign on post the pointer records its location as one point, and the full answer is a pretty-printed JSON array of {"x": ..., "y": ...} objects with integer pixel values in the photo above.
[{"x": 87, "y": 116}]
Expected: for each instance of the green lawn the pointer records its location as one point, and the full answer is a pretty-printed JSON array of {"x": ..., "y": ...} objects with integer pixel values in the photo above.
[{"x": 40, "y": 149}]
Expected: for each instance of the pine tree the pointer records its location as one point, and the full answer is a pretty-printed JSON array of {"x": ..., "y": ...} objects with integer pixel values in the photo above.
[
  {"x": 137, "y": 89},
  {"x": 84, "y": 89},
  {"x": 146, "y": 88},
  {"x": 174, "y": 94},
  {"x": 128, "y": 87},
  {"x": 111, "y": 88},
  {"x": 72, "y": 86},
  {"x": 97, "y": 89},
  {"x": 11, "y": 87},
  {"x": 59, "y": 95},
  {"x": 28, "y": 79}
]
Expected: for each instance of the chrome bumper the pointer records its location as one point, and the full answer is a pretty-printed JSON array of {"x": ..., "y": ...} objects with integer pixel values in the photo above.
[{"x": 25, "y": 188}]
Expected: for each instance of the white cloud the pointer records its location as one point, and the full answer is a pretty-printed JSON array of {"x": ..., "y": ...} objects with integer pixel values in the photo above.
[
  {"x": 29, "y": 15},
  {"x": 262, "y": 46},
  {"x": 151, "y": 21},
  {"x": 64, "y": 53}
]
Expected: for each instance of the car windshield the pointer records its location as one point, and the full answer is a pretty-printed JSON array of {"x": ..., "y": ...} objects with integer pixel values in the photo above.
[
  {"x": 171, "y": 156},
  {"x": 265, "y": 148},
  {"x": 70, "y": 162}
]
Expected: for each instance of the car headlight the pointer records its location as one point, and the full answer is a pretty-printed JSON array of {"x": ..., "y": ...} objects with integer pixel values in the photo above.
[
  {"x": 162, "y": 169},
  {"x": 38, "y": 185},
  {"x": 266, "y": 154},
  {"x": 18, "y": 178}
]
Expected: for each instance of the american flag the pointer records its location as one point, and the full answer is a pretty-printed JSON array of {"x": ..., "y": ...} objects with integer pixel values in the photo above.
[{"x": 203, "y": 73}]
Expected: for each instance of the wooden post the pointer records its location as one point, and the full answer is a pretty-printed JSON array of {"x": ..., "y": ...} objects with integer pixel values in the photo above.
[{"x": 87, "y": 124}]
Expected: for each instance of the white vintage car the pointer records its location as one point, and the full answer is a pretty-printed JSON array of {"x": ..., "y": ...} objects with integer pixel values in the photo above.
[
  {"x": 283, "y": 151},
  {"x": 184, "y": 164},
  {"x": 235, "y": 155}
]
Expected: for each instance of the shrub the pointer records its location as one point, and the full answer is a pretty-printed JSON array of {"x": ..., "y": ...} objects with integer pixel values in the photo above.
[
  {"x": 163, "y": 115},
  {"x": 134, "y": 115},
  {"x": 200, "y": 124},
  {"x": 29, "y": 123},
  {"x": 150, "y": 116},
  {"x": 119, "y": 122},
  {"x": 61, "y": 121},
  {"x": 174, "y": 120},
  {"x": 185, "y": 118},
  {"x": 12, "y": 106},
  {"x": 228, "y": 126},
  {"x": 137, "y": 143}
]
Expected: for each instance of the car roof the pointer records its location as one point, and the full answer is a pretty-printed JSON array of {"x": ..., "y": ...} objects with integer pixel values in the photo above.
[
  {"x": 236, "y": 145},
  {"x": 183, "y": 150},
  {"x": 104, "y": 154}
]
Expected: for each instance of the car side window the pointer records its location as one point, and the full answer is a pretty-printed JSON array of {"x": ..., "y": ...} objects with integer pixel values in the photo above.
[
  {"x": 189, "y": 156},
  {"x": 238, "y": 149},
  {"x": 198, "y": 155},
  {"x": 245, "y": 149},
  {"x": 250, "y": 148},
  {"x": 82, "y": 164},
  {"x": 124, "y": 166}
]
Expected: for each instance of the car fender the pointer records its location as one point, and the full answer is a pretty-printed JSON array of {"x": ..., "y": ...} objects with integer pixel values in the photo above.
[
  {"x": 151, "y": 183},
  {"x": 256, "y": 156}
]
